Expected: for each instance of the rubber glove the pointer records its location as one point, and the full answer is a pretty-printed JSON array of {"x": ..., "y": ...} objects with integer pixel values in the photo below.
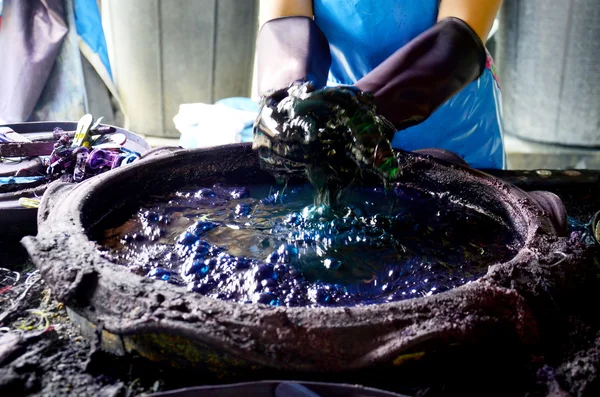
[
  {"x": 290, "y": 49},
  {"x": 329, "y": 135},
  {"x": 421, "y": 76}
]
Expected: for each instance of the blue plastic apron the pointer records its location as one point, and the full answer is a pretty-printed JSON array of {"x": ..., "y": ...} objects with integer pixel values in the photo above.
[{"x": 363, "y": 33}]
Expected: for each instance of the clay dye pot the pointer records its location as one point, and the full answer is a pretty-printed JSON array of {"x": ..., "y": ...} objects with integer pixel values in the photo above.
[{"x": 166, "y": 322}]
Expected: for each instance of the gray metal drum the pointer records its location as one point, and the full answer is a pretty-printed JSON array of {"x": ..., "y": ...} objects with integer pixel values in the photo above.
[
  {"x": 549, "y": 57},
  {"x": 168, "y": 52}
]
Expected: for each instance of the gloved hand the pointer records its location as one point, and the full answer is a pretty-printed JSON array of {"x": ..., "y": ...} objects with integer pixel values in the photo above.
[
  {"x": 290, "y": 49},
  {"x": 330, "y": 134},
  {"x": 407, "y": 87},
  {"x": 421, "y": 76}
]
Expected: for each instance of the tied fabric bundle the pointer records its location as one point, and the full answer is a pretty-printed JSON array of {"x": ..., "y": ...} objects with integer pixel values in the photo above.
[{"x": 331, "y": 134}]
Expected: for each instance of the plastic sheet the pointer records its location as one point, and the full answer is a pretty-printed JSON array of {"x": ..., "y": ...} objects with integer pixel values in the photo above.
[
  {"x": 46, "y": 77},
  {"x": 33, "y": 35}
]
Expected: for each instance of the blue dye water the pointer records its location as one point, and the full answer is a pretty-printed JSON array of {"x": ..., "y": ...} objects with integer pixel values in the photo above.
[{"x": 261, "y": 245}]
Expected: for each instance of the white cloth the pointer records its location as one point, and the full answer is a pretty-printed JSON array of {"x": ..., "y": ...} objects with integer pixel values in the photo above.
[{"x": 204, "y": 125}]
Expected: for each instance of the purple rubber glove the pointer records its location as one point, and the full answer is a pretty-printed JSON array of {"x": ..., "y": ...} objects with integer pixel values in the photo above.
[
  {"x": 291, "y": 49},
  {"x": 421, "y": 76}
]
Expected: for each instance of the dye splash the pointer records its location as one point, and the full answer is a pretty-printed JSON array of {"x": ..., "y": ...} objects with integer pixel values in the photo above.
[{"x": 260, "y": 245}]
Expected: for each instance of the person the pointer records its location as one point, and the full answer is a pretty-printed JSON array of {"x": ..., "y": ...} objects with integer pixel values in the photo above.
[{"x": 423, "y": 60}]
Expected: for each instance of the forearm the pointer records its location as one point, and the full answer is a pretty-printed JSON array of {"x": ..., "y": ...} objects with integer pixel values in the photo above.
[
  {"x": 478, "y": 14},
  {"x": 272, "y": 9}
]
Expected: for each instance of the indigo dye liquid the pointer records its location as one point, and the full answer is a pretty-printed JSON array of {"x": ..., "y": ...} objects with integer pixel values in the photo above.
[{"x": 270, "y": 245}]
